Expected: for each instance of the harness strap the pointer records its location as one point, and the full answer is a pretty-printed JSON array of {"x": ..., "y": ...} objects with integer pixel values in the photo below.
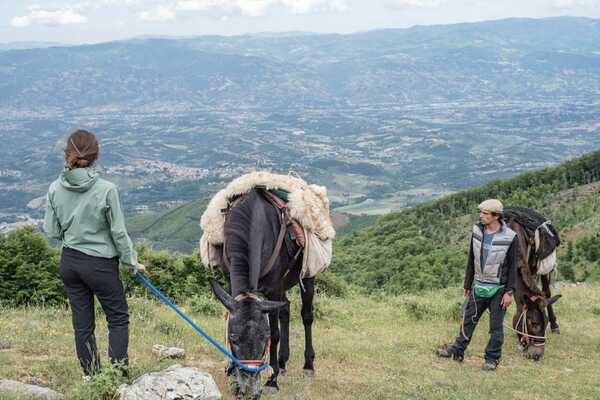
[
  {"x": 276, "y": 251},
  {"x": 280, "y": 236},
  {"x": 283, "y": 215},
  {"x": 296, "y": 230}
]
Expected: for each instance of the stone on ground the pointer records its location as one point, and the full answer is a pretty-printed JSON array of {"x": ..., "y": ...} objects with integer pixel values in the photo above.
[
  {"x": 173, "y": 383},
  {"x": 27, "y": 391},
  {"x": 167, "y": 352}
]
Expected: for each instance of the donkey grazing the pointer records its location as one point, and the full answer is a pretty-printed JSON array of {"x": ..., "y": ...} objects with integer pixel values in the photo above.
[
  {"x": 534, "y": 306},
  {"x": 262, "y": 260}
]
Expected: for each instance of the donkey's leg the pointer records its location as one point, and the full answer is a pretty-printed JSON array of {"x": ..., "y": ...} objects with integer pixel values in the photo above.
[
  {"x": 271, "y": 386},
  {"x": 551, "y": 316},
  {"x": 284, "y": 326},
  {"x": 308, "y": 295}
]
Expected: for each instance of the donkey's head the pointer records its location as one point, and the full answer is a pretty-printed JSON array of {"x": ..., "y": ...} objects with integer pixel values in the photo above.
[
  {"x": 248, "y": 335},
  {"x": 531, "y": 321}
]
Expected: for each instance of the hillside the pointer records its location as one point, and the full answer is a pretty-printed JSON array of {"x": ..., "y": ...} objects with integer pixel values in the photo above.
[
  {"x": 178, "y": 229},
  {"x": 367, "y": 348},
  {"x": 426, "y": 247}
]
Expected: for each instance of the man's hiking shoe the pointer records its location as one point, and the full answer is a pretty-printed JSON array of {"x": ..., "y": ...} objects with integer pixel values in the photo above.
[
  {"x": 489, "y": 366},
  {"x": 448, "y": 352}
]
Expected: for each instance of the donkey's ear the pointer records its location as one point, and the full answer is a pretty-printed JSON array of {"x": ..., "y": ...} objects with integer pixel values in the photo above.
[
  {"x": 540, "y": 302},
  {"x": 553, "y": 299},
  {"x": 221, "y": 294},
  {"x": 268, "y": 305}
]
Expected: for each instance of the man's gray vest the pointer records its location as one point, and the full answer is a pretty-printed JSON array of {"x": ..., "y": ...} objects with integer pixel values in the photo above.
[{"x": 490, "y": 273}]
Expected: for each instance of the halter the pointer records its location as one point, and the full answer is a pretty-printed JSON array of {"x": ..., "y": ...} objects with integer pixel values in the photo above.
[
  {"x": 526, "y": 338},
  {"x": 266, "y": 354}
]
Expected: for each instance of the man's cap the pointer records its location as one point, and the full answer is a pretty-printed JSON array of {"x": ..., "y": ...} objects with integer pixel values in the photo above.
[{"x": 492, "y": 206}]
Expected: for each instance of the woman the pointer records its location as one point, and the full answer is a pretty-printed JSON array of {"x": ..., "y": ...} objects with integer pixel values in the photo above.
[{"x": 83, "y": 212}]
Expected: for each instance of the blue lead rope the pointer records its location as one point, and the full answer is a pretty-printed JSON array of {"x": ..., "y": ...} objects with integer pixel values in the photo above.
[{"x": 168, "y": 302}]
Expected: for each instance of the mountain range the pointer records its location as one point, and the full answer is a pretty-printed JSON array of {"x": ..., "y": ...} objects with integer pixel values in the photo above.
[{"x": 385, "y": 119}]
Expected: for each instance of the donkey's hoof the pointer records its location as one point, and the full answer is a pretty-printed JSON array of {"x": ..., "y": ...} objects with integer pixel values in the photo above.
[
  {"x": 270, "y": 390},
  {"x": 309, "y": 373},
  {"x": 556, "y": 330},
  {"x": 282, "y": 371}
]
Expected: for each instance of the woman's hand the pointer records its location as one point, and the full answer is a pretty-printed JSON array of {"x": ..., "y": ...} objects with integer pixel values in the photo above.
[{"x": 141, "y": 268}]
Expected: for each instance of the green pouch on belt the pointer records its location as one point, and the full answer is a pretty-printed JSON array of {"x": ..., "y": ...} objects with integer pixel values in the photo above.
[{"x": 486, "y": 290}]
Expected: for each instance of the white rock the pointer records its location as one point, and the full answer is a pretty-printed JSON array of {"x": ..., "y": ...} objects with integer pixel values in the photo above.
[
  {"x": 173, "y": 383},
  {"x": 5, "y": 344},
  {"x": 167, "y": 352},
  {"x": 29, "y": 391}
]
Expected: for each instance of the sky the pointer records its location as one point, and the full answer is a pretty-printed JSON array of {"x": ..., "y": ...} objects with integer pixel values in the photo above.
[{"x": 92, "y": 21}]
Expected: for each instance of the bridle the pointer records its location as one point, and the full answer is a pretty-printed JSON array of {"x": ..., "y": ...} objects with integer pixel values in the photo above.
[
  {"x": 266, "y": 353},
  {"x": 526, "y": 338}
]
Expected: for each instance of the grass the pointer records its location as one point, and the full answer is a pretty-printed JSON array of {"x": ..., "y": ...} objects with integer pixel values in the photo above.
[
  {"x": 355, "y": 222},
  {"x": 375, "y": 347},
  {"x": 177, "y": 228},
  {"x": 395, "y": 202}
]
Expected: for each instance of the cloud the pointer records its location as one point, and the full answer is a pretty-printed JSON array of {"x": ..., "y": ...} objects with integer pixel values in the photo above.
[
  {"x": 569, "y": 4},
  {"x": 121, "y": 2},
  {"x": 307, "y": 6},
  {"x": 65, "y": 16},
  {"x": 251, "y": 8},
  {"x": 159, "y": 14},
  {"x": 169, "y": 10},
  {"x": 416, "y": 3},
  {"x": 198, "y": 5},
  {"x": 20, "y": 22},
  {"x": 257, "y": 8}
]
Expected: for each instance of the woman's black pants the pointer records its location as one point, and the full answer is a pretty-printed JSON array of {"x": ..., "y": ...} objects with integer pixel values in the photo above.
[{"x": 85, "y": 276}]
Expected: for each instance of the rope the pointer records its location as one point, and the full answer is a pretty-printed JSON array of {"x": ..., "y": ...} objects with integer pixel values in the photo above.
[
  {"x": 462, "y": 325},
  {"x": 525, "y": 332},
  {"x": 522, "y": 317},
  {"x": 187, "y": 319}
]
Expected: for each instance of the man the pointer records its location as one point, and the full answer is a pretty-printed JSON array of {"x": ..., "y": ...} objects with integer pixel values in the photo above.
[{"x": 489, "y": 283}]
